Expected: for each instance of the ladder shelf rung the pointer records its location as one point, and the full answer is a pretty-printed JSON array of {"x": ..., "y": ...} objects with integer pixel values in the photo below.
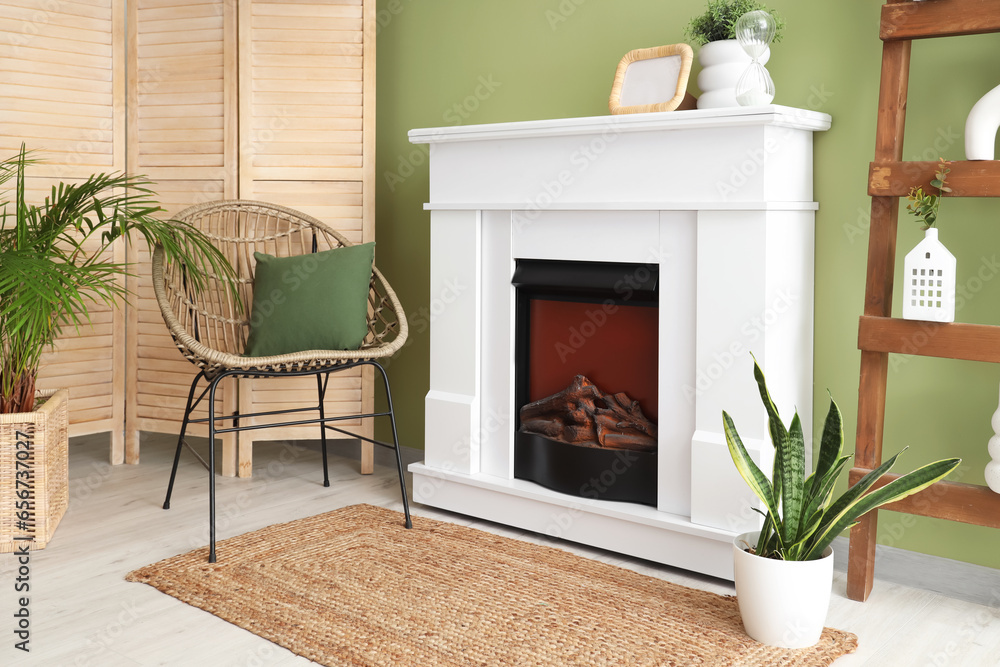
[
  {"x": 968, "y": 178},
  {"x": 939, "y": 18},
  {"x": 954, "y": 340},
  {"x": 954, "y": 501}
]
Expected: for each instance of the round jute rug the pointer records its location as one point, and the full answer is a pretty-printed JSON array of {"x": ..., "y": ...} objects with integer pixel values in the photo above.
[{"x": 354, "y": 587}]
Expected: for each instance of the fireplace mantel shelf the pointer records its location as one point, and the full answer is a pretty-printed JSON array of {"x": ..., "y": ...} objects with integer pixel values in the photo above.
[
  {"x": 634, "y": 206},
  {"x": 708, "y": 196},
  {"x": 773, "y": 114},
  {"x": 750, "y": 159}
]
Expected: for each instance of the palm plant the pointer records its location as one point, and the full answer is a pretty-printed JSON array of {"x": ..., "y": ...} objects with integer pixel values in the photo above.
[
  {"x": 54, "y": 265},
  {"x": 802, "y": 517}
]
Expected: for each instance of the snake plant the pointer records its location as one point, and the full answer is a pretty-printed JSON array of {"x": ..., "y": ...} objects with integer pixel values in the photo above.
[
  {"x": 55, "y": 264},
  {"x": 802, "y": 517}
]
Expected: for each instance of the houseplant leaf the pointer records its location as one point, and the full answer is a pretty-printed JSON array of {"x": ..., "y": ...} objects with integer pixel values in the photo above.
[
  {"x": 815, "y": 507},
  {"x": 792, "y": 480},
  {"x": 754, "y": 477},
  {"x": 856, "y": 491},
  {"x": 830, "y": 448},
  {"x": 899, "y": 488},
  {"x": 777, "y": 431}
]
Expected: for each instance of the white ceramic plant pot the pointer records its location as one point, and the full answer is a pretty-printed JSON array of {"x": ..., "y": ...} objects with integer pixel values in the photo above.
[
  {"x": 783, "y": 603},
  {"x": 723, "y": 63}
]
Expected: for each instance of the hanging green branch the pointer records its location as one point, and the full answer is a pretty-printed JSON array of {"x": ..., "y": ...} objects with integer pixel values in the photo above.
[{"x": 925, "y": 205}]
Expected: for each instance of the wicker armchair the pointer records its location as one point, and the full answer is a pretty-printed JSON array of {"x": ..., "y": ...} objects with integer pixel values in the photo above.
[{"x": 211, "y": 329}]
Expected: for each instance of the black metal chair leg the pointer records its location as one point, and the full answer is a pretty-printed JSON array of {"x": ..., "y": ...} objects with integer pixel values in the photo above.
[
  {"x": 180, "y": 439},
  {"x": 395, "y": 442},
  {"x": 211, "y": 468},
  {"x": 321, "y": 390}
]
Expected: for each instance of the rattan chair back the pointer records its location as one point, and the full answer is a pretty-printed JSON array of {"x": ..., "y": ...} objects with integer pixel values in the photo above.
[{"x": 210, "y": 328}]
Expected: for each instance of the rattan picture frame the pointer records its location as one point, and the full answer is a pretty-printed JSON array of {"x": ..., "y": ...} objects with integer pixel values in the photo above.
[{"x": 653, "y": 79}]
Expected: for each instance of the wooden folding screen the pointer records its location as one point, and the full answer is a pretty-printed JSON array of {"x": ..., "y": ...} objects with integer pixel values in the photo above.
[{"x": 248, "y": 99}]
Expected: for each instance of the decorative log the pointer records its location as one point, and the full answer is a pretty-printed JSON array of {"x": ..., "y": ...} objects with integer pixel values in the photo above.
[{"x": 581, "y": 414}]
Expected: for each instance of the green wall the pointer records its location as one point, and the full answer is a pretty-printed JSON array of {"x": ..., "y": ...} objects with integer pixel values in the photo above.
[{"x": 449, "y": 62}]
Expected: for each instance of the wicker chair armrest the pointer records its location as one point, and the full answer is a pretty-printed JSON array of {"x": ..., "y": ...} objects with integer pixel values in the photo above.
[{"x": 397, "y": 309}]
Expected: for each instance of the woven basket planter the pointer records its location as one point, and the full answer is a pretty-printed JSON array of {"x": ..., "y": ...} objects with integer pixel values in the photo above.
[{"x": 34, "y": 445}]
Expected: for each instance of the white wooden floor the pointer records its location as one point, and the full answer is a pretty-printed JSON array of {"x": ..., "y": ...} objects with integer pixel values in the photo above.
[{"x": 83, "y": 612}]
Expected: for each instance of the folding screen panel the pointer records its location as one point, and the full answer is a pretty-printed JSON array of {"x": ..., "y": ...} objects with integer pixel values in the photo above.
[
  {"x": 182, "y": 135},
  {"x": 307, "y": 119},
  {"x": 62, "y": 92}
]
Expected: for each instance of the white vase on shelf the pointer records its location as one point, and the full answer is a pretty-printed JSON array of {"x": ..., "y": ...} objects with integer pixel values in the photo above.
[
  {"x": 929, "y": 281},
  {"x": 993, "y": 467},
  {"x": 723, "y": 62},
  {"x": 981, "y": 127}
]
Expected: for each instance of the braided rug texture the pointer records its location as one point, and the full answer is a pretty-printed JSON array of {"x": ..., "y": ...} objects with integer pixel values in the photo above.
[{"x": 354, "y": 587}]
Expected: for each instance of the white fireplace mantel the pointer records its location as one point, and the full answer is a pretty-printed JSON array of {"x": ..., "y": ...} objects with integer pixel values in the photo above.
[{"x": 721, "y": 201}]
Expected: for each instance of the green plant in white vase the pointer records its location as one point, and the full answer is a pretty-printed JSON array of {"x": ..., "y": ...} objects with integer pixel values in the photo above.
[
  {"x": 719, "y": 20},
  {"x": 802, "y": 516},
  {"x": 723, "y": 60}
]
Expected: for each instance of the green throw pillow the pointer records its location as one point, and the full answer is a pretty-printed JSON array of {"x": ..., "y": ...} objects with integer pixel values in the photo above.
[{"x": 317, "y": 301}]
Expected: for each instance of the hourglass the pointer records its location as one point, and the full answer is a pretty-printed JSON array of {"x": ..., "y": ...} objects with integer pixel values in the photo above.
[{"x": 754, "y": 32}]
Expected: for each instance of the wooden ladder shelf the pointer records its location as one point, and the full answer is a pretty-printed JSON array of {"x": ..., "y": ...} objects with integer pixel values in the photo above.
[{"x": 879, "y": 334}]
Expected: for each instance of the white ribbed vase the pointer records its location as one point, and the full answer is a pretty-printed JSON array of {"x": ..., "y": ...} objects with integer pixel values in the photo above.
[
  {"x": 722, "y": 63},
  {"x": 993, "y": 467}
]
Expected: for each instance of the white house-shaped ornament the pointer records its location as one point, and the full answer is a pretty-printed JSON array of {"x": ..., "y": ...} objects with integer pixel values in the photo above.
[{"x": 929, "y": 281}]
